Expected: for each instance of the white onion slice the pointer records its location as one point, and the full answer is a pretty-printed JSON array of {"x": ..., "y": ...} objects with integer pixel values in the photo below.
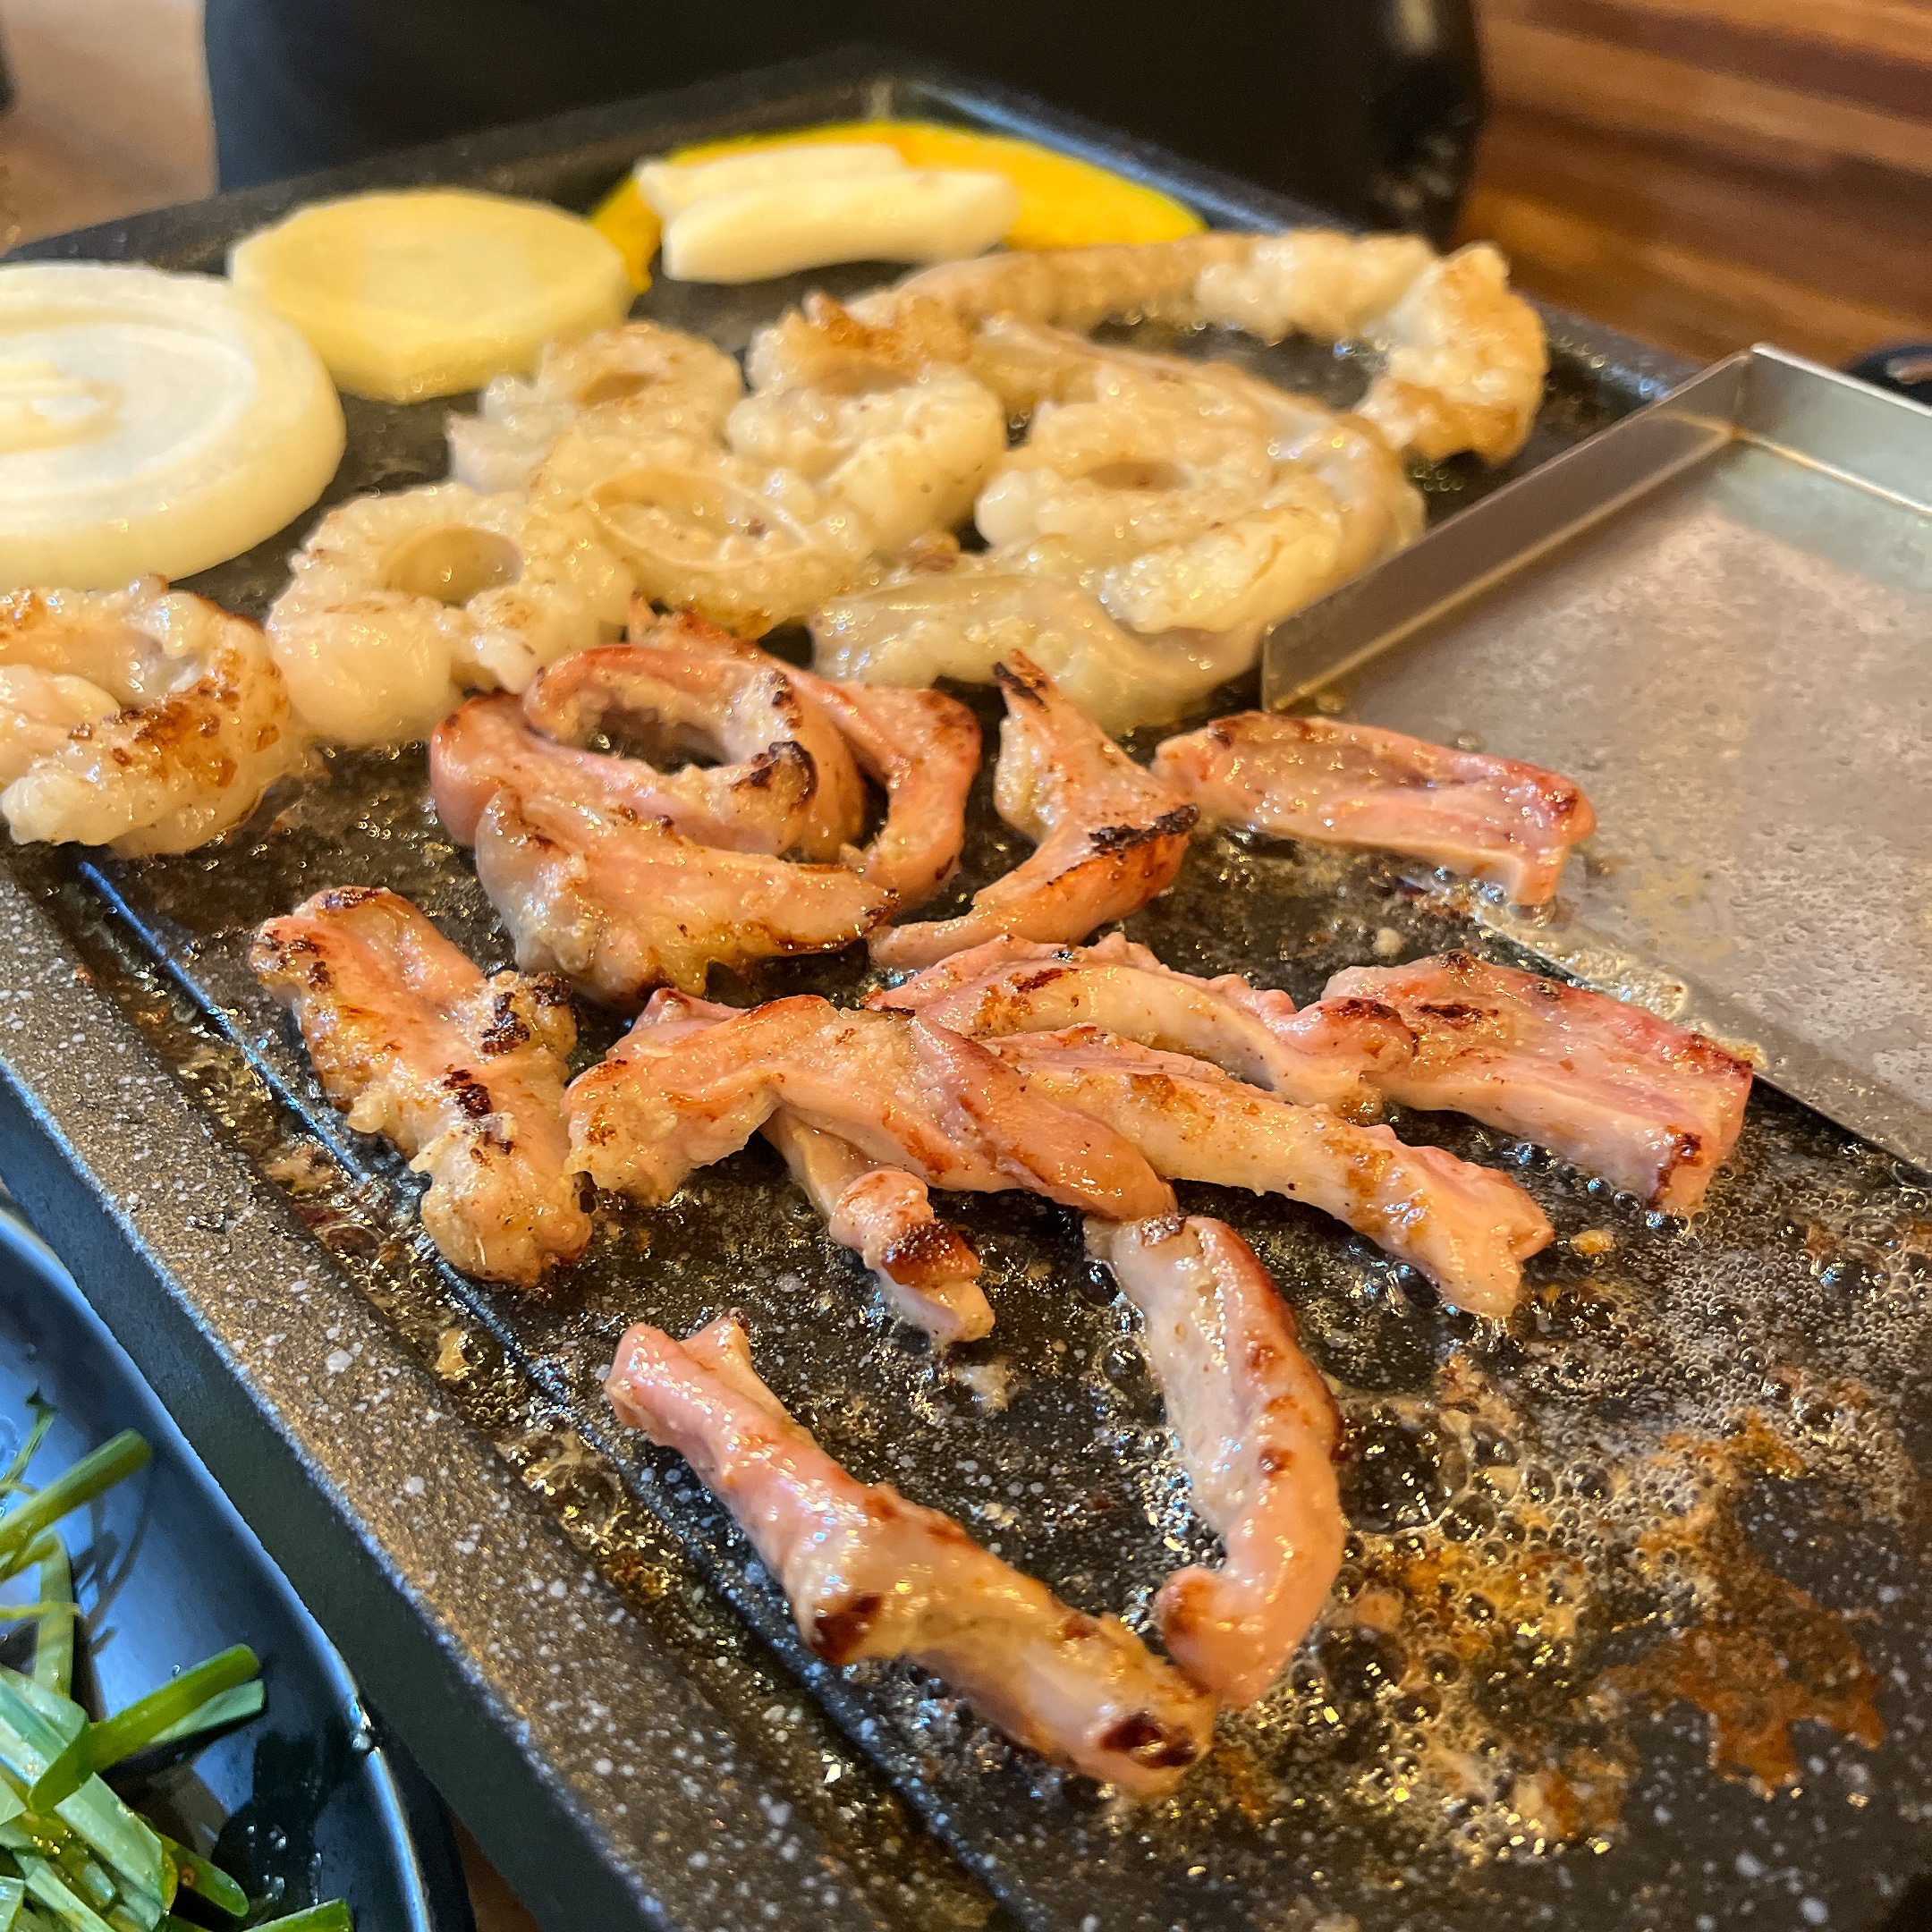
[{"x": 149, "y": 423}]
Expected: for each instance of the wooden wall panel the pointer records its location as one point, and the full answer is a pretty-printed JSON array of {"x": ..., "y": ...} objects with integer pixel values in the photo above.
[{"x": 1709, "y": 173}]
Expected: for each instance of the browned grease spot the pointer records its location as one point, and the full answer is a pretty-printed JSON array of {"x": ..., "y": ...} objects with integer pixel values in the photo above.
[{"x": 1766, "y": 1655}]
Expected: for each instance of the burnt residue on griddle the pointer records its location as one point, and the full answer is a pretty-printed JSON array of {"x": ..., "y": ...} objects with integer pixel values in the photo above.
[{"x": 1761, "y": 1654}]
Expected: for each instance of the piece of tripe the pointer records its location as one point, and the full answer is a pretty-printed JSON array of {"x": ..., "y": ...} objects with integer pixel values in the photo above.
[{"x": 429, "y": 291}]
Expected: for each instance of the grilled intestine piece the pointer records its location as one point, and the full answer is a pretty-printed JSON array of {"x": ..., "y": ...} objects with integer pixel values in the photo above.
[
  {"x": 1258, "y": 1432},
  {"x": 465, "y": 1075},
  {"x": 1109, "y": 835},
  {"x": 1316, "y": 1057},
  {"x": 928, "y": 1272},
  {"x": 1652, "y": 1107},
  {"x": 1468, "y": 1228},
  {"x": 487, "y": 746},
  {"x": 1465, "y": 356},
  {"x": 907, "y": 1095},
  {"x": 921, "y": 746},
  {"x": 744, "y": 709},
  {"x": 869, "y": 1574},
  {"x": 1185, "y": 501},
  {"x": 142, "y": 718},
  {"x": 1491, "y": 818},
  {"x": 620, "y": 905}
]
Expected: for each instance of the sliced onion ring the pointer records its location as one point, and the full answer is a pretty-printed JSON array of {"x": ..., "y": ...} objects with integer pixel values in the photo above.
[{"x": 149, "y": 423}]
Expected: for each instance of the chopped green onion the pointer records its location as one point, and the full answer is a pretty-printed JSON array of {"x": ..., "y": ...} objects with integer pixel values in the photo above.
[
  {"x": 52, "y": 1664},
  {"x": 44, "y": 1883},
  {"x": 228, "y": 1708},
  {"x": 101, "y": 1469},
  {"x": 14, "y": 1480},
  {"x": 207, "y": 1881},
  {"x": 334, "y": 1917},
  {"x": 43, "y": 1740},
  {"x": 144, "y": 1720},
  {"x": 30, "y": 1832},
  {"x": 68, "y": 1844},
  {"x": 128, "y": 1843}
]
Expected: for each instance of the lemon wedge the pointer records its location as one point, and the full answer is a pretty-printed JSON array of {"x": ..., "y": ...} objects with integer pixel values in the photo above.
[
  {"x": 150, "y": 422},
  {"x": 429, "y": 291},
  {"x": 1064, "y": 202}
]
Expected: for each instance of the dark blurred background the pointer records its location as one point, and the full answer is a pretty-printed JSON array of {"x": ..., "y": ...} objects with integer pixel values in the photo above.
[
  {"x": 1702, "y": 172},
  {"x": 1371, "y": 109}
]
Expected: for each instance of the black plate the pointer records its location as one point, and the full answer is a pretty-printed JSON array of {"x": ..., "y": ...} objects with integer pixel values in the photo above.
[
  {"x": 541, "y": 1605},
  {"x": 308, "y": 1802}
]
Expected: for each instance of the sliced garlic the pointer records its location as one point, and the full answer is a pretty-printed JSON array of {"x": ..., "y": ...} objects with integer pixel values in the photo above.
[
  {"x": 911, "y": 214},
  {"x": 671, "y": 187},
  {"x": 149, "y": 423},
  {"x": 431, "y": 292}
]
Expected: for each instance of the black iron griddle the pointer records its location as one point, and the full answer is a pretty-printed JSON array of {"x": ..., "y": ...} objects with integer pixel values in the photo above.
[{"x": 1691, "y": 1463}]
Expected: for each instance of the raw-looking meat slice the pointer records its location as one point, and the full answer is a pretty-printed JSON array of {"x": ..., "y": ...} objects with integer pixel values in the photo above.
[
  {"x": 620, "y": 905},
  {"x": 487, "y": 746},
  {"x": 928, "y": 1272},
  {"x": 1489, "y": 818},
  {"x": 744, "y": 709},
  {"x": 1258, "y": 1432},
  {"x": 1109, "y": 835},
  {"x": 465, "y": 1075},
  {"x": 1649, "y": 1105},
  {"x": 1316, "y": 1057},
  {"x": 869, "y": 1574},
  {"x": 905, "y": 1094},
  {"x": 1468, "y": 1228}
]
